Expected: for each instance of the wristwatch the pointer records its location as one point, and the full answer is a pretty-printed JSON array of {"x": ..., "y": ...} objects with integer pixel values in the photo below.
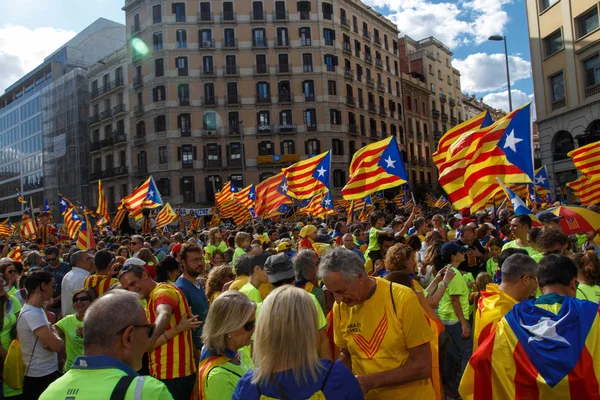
[{"x": 445, "y": 284}]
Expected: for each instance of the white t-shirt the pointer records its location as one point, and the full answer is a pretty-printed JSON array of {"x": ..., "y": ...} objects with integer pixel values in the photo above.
[
  {"x": 71, "y": 282},
  {"x": 43, "y": 362}
]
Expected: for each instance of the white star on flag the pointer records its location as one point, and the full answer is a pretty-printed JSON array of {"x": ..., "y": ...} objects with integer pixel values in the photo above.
[
  {"x": 63, "y": 203},
  {"x": 327, "y": 202},
  {"x": 540, "y": 179},
  {"x": 390, "y": 163},
  {"x": 151, "y": 193},
  {"x": 284, "y": 187},
  {"x": 511, "y": 141},
  {"x": 251, "y": 195},
  {"x": 321, "y": 171}
]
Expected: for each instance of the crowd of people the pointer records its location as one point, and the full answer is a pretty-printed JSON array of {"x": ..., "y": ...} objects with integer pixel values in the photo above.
[{"x": 439, "y": 306}]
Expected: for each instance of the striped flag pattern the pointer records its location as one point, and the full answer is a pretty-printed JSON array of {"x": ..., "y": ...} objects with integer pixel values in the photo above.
[
  {"x": 587, "y": 159},
  {"x": 308, "y": 177},
  {"x": 72, "y": 222},
  {"x": 165, "y": 216},
  {"x": 144, "y": 196},
  {"x": 85, "y": 238},
  {"x": 15, "y": 254},
  {"x": 102, "y": 209},
  {"x": 586, "y": 189},
  {"x": 225, "y": 194},
  {"x": 270, "y": 194}
]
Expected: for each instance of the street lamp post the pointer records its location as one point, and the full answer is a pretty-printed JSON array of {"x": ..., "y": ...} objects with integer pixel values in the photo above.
[{"x": 498, "y": 38}]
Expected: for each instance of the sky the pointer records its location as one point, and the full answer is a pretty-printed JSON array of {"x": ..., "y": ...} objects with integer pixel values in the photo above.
[{"x": 32, "y": 29}]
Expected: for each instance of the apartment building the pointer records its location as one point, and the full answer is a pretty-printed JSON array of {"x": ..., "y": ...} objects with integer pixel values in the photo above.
[
  {"x": 43, "y": 123},
  {"x": 224, "y": 90},
  {"x": 110, "y": 138},
  {"x": 564, "y": 38},
  {"x": 473, "y": 106}
]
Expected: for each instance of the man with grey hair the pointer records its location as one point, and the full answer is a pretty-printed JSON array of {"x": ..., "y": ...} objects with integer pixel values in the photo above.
[
  {"x": 116, "y": 333},
  {"x": 380, "y": 329},
  {"x": 82, "y": 266},
  {"x": 136, "y": 244},
  {"x": 519, "y": 273},
  {"x": 306, "y": 263},
  {"x": 348, "y": 242}
]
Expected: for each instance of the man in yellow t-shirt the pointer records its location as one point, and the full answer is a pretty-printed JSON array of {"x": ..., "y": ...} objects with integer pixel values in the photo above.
[{"x": 380, "y": 328}]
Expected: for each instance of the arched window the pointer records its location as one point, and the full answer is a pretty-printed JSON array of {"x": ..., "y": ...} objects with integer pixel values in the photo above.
[
  {"x": 592, "y": 134},
  {"x": 563, "y": 143}
]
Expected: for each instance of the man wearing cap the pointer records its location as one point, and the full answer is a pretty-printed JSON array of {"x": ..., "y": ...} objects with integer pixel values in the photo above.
[
  {"x": 550, "y": 220},
  {"x": 45, "y": 230},
  {"x": 309, "y": 234},
  {"x": 520, "y": 226},
  {"x": 286, "y": 247},
  {"x": 280, "y": 271}
]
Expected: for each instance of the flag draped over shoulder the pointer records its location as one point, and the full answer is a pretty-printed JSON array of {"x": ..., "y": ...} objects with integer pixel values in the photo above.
[
  {"x": 545, "y": 349},
  {"x": 586, "y": 189},
  {"x": 375, "y": 167},
  {"x": 473, "y": 161},
  {"x": 102, "y": 209},
  {"x": 492, "y": 306},
  {"x": 165, "y": 216},
  {"x": 308, "y": 177},
  {"x": 271, "y": 194},
  {"x": 144, "y": 196}
]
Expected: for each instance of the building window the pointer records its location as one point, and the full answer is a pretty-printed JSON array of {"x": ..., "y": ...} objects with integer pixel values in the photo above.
[
  {"x": 332, "y": 88},
  {"x": 308, "y": 88},
  {"x": 544, "y": 4},
  {"x": 207, "y": 65},
  {"x": 158, "y": 93},
  {"x": 157, "y": 41},
  {"x": 159, "y": 69},
  {"x": 327, "y": 11},
  {"x": 182, "y": 66},
  {"x": 181, "y": 36},
  {"x": 339, "y": 178},
  {"x": 313, "y": 146},
  {"x": 288, "y": 147},
  {"x": 591, "y": 68},
  {"x": 337, "y": 147},
  {"x": 183, "y": 93},
  {"x": 328, "y": 36},
  {"x": 205, "y": 14},
  {"x": 553, "y": 43},
  {"x": 184, "y": 124},
  {"x": 305, "y": 39},
  {"x": 587, "y": 22},
  {"x": 263, "y": 121},
  {"x": 179, "y": 11},
  {"x": 265, "y": 149},
  {"x": 162, "y": 155},
  {"x": 262, "y": 92},
  {"x": 229, "y": 37},
  {"x": 557, "y": 84},
  {"x": 156, "y": 14},
  {"x": 235, "y": 153},
  {"x": 285, "y": 119},
  {"x": 213, "y": 153},
  {"x": 331, "y": 61},
  {"x": 160, "y": 123},
  {"x": 259, "y": 37},
  {"x": 280, "y": 11},
  {"x": 310, "y": 119},
  {"x": 335, "y": 117},
  {"x": 210, "y": 120},
  {"x": 307, "y": 64},
  {"x": 188, "y": 189},
  {"x": 163, "y": 185},
  {"x": 140, "y": 129}
]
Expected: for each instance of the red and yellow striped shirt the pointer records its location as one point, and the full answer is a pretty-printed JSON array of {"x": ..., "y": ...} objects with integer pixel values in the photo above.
[
  {"x": 175, "y": 359},
  {"x": 99, "y": 283}
]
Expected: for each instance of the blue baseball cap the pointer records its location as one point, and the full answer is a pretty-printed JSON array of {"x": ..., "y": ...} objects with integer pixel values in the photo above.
[{"x": 451, "y": 248}]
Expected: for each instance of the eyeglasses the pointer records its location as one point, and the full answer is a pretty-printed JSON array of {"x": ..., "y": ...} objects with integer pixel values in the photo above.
[
  {"x": 149, "y": 327},
  {"x": 249, "y": 326},
  {"x": 78, "y": 299},
  {"x": 50, "y": 259}
]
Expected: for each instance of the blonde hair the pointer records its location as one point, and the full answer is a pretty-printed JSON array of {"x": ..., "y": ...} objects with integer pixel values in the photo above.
[
  {"x": 482, "y": 280},
  {"x": 240, "y": 237},
  {"x": 288, "y": 313},
  {"x": 227, "y": 313}
]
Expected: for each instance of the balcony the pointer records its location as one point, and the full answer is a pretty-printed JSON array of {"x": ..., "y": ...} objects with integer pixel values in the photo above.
[
  {"x": 380, "y": 86},
  {"x": 138, "y": 110},
  {"x": 278, "y": 158},
  {"x": 139, "y": 140},
  {"x": 264, "y": 130},
  {"x": 368, "y": 58},
  {"x": 310, "y": 97},
  {"x": 281, "y": 42},
  {"x": 105, "y": 114},
  {"x": 305, "y": 42},
  {"x": 232, "y": 70},
  {"x": 425, "y": 136},
  {"x": 348, "y": 73},
  {"x": 261, "y": 99},
  {"x": 366, "y": 34},
  {"x": 311, "y": 128},
  {"x": 234, "y": 129},
  {"x": 184, "y": 101},
  {"x": 120, "y": 170},
  {"x": 377, "y": 40},
  {"x": 370, "y": 82},
  {"x": 453, "y": 120},
  {"x": 258, "y": 16},
  {"x": 284, "y": 69},
  {"x": 559, "y": 104},
  {"x": 435, "y": 113},
  {"x": 234, "y": 162},
  {"x": 206, "y": 17},
  {"x": 347, "y": 48},
  {"x": 280, "y": 16},
  {"x": 142, "y": 170},
  {"x": 206, "y": 44},
  {"x": 94, "y": 93},
  {"x": 261, "y": 69},
  {"x": 350, "y": 101},
  {"x": 138, "y": 81},
  {"x": 213, "y": 164},
  {"x": 230, "y": 44},
  {"x": 118, "y": 109},
  {"x": 437, "y": 135},
  {"x": 209, "y": 101},
  {"x": 374, "y": 133},
  {"x": 108, "y": 173},
  {"x": 286, "y": 98},
  {"x": 592, "y": 90},
  {"x": 419, "y": 137},
  {"x": 119, "y": 137},
  {"x": 345, "y": 23},
  {"x": 287, "y": 128},
  {"x": 135, "y": 29},
  {"x": 259, "y": 43},
  {"x": 95, "y": 146},
  {"x": 379, "y": 63},
  {"x": 353, "y": 129},
  {"x": 452, "y": 102},
  {"x": 208, "y": 72},
  {"x": 443, "y": 98},
  {"x": 208, "y": 132},
  {"x": 107, "y": 142},
  {"x": 94, "y": 119},
  {"x": 444, "y": 117},
  {"x": 382, "y": 111},
  {"x": 232, "y": 100},
  {"x": 228, "y": 17},
  {"x": 372, "y": 107},
  {"x": 307, "y": 68}
]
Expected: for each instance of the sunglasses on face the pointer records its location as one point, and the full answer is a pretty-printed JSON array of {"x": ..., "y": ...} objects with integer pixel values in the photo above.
[
  {"x": 78, "y": 299},
  {"x": 149, "y": 327},
  {"x": 249, "y": 326},
  {"x": 50, "y": 259}
]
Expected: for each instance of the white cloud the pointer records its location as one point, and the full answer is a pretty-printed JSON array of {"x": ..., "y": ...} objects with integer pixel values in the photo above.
[
  {"x": 500, "y": 99},
  {"x": 481, "y": 72},
  {"x": 22, "y": 49},
  {"x": 454, "y": 23}
]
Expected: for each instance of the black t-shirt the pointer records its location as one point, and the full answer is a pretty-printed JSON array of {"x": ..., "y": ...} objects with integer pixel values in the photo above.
[{"x": 472, "y": 264}]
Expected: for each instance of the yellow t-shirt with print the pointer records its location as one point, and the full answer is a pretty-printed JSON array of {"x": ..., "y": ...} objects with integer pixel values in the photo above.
[
  {"x": 241, "y": 280},
  {"x": 379, "y": 332}
]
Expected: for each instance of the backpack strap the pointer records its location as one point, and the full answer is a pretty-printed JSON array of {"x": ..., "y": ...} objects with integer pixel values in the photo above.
[
  {"x": 582, "y": 293},
  {"x": 327, "y": 376},
  {"x": 392, "y": 297},
  {"x": 121, "y": 388}
]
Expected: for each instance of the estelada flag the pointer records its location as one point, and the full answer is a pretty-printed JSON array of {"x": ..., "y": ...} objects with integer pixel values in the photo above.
[
  {"x": 493, "y": 304},
  {"x": 15, "y": 254},
  {"x": 542, "y": 349}
]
